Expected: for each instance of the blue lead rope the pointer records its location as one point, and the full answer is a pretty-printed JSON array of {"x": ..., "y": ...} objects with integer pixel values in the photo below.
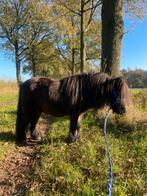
[{"x": 109, "y": 157}]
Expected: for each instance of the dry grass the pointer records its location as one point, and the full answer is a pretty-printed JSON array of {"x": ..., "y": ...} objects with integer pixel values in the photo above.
[
  {"x": 134, "y": 119},
  {"x": 8, "y": 87}
]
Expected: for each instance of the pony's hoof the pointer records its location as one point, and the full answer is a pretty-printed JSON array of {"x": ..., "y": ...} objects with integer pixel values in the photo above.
[
  {"x": 21, "y": 143},
  {"x": 71, "y": 140},
  {"x": 37, "y": 138},
  {"x": 72, "y": 137}
]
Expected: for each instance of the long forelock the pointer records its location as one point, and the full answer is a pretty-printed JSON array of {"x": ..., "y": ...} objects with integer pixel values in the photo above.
[{"x": 121, "y": 85}]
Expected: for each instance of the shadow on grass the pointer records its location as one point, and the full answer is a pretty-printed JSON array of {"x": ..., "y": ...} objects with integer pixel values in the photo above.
[
  {"x": 13, "y": 112},
  {"x": 7, "y": 136}
]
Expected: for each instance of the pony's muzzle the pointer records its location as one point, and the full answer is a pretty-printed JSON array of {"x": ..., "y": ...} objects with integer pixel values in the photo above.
[
  {"x": 119, "y": 110},
  {"x": 122, "y": 110}
]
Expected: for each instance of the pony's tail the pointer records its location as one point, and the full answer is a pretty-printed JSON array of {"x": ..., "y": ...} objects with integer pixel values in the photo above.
[{"x": 20, "y": 135}]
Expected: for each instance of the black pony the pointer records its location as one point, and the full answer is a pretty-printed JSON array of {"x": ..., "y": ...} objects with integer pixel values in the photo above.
[{"x": 70, "y": 96}]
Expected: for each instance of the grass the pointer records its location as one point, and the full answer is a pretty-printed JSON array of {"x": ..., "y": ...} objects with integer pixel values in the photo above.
[
  {"x": 82, "y": 168},
  {"x": 140, "y": 97},
  {"x": 8, "y": 102}
]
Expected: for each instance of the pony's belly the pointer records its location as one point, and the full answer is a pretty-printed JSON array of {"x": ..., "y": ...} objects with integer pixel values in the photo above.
[{"x": 55, "y": 111}]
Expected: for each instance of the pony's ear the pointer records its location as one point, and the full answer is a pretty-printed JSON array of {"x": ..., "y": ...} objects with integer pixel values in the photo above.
[
  {"x": 119, "y": 78},
  {"x": 119, "y": 81}
]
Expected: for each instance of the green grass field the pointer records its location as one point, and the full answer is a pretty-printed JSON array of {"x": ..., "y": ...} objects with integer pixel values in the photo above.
[
  {"x": 82, "y": 168},
  {"x": 8, "y": 103}
]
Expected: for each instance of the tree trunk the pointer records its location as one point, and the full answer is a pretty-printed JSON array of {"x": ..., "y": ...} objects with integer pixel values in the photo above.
[
  {"x": 17, "y": 61},
  {"x": 82, "y": 40},
  {"x": 73, "y": 61},
  {"x": 112, "y": 33}
]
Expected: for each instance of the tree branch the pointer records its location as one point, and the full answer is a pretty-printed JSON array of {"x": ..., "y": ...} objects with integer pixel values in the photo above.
[
  {"x": 68, "y": 8},
  {"x": 93, "y": 8},
  {"x": 8, "y": 35},
  {"x": 65, "y": 59},
  {"x": 86, "y": 2}
]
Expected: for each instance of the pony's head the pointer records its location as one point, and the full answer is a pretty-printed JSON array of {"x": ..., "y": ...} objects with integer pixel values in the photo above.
[{"x": 119, "y": 95}]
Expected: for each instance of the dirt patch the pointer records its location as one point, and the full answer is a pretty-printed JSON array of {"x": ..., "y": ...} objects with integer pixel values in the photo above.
[{"x": 20, "y": 163}]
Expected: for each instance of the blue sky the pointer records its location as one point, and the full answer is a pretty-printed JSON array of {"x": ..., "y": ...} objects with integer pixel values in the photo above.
[
  {"x": 133, "y": 54},
  {"x": 134, "y": 46}
]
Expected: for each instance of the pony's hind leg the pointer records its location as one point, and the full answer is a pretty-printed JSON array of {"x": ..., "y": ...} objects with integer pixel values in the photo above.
[
  {"x": 33, "y": 121},
  {"x": 22, "y": 119},
  {"x": 21, "y": 127}
]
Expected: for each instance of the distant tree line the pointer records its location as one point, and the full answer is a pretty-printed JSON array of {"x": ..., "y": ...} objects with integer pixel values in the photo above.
[{"x": 136, "y": 78}]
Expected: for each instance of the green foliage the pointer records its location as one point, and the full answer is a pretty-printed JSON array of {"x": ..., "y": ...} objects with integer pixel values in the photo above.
[
  {"x": 44, "y": 36},
  {"x": 41, "y": 56},
  {"x": 68, "y": 33}
]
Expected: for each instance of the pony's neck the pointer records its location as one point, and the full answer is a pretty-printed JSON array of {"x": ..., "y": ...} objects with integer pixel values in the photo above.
[
  {"x": 99, "y": 97},
  {"x": 105, "y": 94}
]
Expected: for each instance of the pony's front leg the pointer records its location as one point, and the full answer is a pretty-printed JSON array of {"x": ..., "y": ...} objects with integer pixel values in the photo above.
[{"x": 74, "y": 132}]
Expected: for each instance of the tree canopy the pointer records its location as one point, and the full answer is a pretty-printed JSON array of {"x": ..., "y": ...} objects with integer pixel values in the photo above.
[
  {"x": 136, "y": 78},
  {"x": 64, "y": 37}
]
